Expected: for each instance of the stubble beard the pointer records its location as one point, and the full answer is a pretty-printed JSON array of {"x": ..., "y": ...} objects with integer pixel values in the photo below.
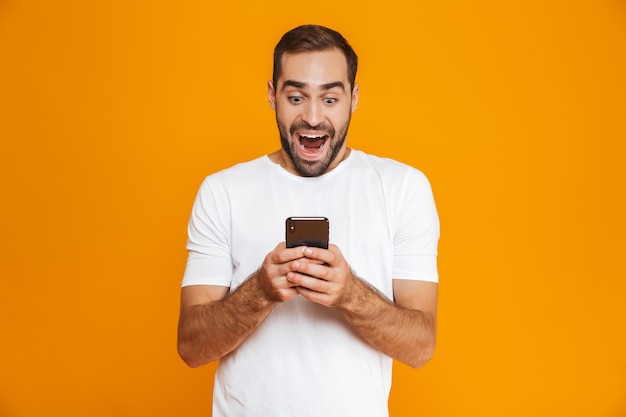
[{"x": 312, "y": 168}]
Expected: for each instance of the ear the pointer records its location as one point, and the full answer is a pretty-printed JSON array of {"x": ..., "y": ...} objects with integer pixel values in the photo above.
[
  {"x": 271, "y": 94},
  {"x": 355, "y": 96}
]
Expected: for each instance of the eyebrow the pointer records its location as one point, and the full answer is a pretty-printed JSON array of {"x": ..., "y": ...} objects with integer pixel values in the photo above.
[
  {"x": 336, "y": 84},
  {"x": 301, "y": 85}
]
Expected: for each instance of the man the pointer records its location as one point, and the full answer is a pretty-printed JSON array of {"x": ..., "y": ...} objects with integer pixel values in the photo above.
[{"x": 308, "y": 331}]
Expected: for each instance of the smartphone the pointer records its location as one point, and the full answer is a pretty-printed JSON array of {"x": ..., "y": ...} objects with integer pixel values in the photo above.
[{"x": 307, "y": 231}]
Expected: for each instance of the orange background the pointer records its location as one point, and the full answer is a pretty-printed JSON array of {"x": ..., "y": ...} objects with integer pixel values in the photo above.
[{"x": 112, "y": 112}]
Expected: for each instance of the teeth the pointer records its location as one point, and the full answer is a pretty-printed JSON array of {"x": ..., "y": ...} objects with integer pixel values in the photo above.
[
  {"x": 304, "y": 147},
  {"x": 323, "y": 137}
]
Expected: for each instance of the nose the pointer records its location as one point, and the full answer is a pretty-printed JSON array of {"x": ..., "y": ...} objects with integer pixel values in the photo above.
[{"x": 313, "y": 113}]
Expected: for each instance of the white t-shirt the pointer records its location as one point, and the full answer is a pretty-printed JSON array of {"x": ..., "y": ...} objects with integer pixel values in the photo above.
[{"x": 305, "y": 359}]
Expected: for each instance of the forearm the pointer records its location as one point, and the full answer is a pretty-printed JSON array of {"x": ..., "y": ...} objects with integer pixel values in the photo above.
[
  {"x": 405, "y": 334},
  {"x": 207, "y": 332}
]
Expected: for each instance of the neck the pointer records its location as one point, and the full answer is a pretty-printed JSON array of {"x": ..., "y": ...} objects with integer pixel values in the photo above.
[{"x": 281, "y": 158}]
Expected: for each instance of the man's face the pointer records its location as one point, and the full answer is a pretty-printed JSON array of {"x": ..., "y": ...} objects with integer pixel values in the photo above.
[{"x": 313, "y": 105}]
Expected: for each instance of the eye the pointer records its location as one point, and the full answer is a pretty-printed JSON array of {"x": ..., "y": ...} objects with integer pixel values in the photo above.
[
  {"x": 295, "y": 99},
  {"x": 329, "y": 100}
]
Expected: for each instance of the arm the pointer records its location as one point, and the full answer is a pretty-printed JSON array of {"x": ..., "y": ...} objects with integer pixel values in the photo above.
[
  {"x": 213, "y": 323},
  {"x": 404, "y": 329}
]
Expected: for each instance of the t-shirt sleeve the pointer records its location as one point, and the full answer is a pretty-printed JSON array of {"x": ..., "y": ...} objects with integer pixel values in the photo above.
[
  {"x": 416, "y": 234},
  {"x": 209, "y": 261}
]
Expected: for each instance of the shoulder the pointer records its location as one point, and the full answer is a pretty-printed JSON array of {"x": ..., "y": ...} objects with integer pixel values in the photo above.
[
  {"x": 231, "y": 181},
  {"x": 240, "y": 169},
  {"x": 219, "y": 189},
  {"x": 390, "y": 169},
  {"x": 240, "y": 173}
]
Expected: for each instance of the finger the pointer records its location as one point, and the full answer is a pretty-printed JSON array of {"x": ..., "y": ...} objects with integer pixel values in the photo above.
[
  {"x": 313, "y": 269},
  {"x": 286, "y": 283},
  {"x": 282, "y": 254},
  {"x": 311, "y": 261},
  {"x": 277, "y": 276},
  {"x": 308, "y": 282},
  {"x": 328, "y": 256},
  {"x": 316, "y": 297},
  {"x": 286, "y": 294}
]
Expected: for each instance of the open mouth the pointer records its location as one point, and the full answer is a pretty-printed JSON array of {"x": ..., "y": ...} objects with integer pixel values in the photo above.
[{"x": 312, "y": 143}]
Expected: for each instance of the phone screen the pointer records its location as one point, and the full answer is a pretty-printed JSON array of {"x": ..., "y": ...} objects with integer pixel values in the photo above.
[{"x": 307, "y": 231}]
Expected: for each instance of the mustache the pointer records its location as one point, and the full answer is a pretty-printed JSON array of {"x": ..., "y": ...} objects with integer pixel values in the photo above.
[{"x": 305, "y": 126}]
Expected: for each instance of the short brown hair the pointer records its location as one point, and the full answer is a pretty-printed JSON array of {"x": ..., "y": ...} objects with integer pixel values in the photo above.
[{"x": 308, "y": 38}]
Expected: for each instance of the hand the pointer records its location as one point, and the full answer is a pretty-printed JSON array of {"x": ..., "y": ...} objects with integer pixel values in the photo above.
[
  {"x": 322, "y": 276},
  {"x": 272, "y": 276}
]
